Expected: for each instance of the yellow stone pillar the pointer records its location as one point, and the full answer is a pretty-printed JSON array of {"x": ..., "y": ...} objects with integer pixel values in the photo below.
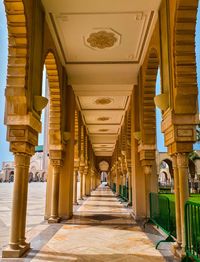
[
  {"x": 147, "y": 173},
  {"x": 88, "y": 184},
  {"x": 81, "y": 171},
  {"x": 54, "y": 218},
  {"x": 85, "y": 173},
  {"x": 177, "y": 202},
  {"x": 129, "y": 187},
  {"x": 84, "y": 183},
  {"x": 182, "y": 164},
  {"x": 24, "y": 180},
  {"x": 117, "y": 180},
  {"x": 92, "y": 180},
  {"x": 17, "y": 244},
  {"x": 75, "y": 186}
]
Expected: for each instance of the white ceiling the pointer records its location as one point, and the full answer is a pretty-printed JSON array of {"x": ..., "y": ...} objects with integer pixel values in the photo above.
[{"x": 102, "y": 44}]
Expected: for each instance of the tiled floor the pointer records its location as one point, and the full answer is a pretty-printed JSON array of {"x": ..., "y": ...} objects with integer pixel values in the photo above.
[{"x": 102, "y": 229}]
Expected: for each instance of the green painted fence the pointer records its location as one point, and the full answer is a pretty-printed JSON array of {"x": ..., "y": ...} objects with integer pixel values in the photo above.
[
  {"x": 114, "y": 187},
  {"x": 120, "y": 190},
  {"x": 125, "y": 193},
  {"x": 160, "y": 215},
  {"x": 192, "y": 232}
]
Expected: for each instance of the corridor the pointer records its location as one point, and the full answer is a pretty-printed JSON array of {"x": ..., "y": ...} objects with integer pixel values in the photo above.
[{"x": 101, "y": 229}]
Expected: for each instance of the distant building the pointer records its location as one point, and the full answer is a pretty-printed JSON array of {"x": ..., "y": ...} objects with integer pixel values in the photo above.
[{"x": 37, "y": 170}]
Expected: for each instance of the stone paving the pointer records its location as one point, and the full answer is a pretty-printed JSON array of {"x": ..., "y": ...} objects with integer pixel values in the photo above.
[
  {"x": 102, "y": 229},
  {"x": 35, "y": 211}
]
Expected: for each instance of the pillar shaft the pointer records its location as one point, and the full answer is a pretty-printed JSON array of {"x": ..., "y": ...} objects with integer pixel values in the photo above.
[
  {"x": 17, "y": 210},
  {"x": 24, "y": 189},
  {"x": 147, "y": 173},
  {"x": 75, "y": 187},
  {"x": 182, "y": 163},
  {"x": 55, "y": 195},
  {"x": 129, "y": 187},
  {"x": 81, "y": 185},
  {"x": 177, "y": 200},
  {"x": 84, "y": 184},
  {"x": 117, "y": 181}
]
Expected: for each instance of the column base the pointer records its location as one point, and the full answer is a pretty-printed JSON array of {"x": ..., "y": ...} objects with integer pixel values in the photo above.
[
  {"x": 15, "y": 253},
  {"x": 178, "y": 251},
  {"x": 53, "y": 220},
  {"x": 76, "y": 203}
]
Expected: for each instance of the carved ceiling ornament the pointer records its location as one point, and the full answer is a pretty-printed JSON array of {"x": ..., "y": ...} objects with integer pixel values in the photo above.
[
  {"x": 103, "y": 118},
  {"x": 103, "y": 101},
  {"x": 102, "y": 39},
  {"x": 103, "y": 130}
]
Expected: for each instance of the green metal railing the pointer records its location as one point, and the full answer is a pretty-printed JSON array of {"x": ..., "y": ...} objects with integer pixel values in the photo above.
[
  {"x": 192, "y": 230},
  {"x": 114, "y": 187},
  {"x": 160, "y": 215},
  {"x": 125, "y": 193},
  {"x": 120, "y": 190}
]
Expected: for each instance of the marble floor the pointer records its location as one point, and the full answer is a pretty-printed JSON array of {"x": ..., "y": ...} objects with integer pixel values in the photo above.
[
  {"x": 35, "y": 208},
  {"x": 102, "y": 229}
]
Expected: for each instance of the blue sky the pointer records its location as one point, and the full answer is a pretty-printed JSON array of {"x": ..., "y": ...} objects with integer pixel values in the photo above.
[{"x": 5, "y": 155}]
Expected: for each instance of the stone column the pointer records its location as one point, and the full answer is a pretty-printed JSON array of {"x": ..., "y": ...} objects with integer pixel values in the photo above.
[
  {"x": 81, "y": 169},
  {"x": 88, "y": 184},
  {"x": 17, "y": 244},
  {"x": 117, "y": 181},
  {"x": 129, "y": 187},
  {"x": 75, "y": 186},
  {"x": 84, "y": 183},
  {"x": 24, "y": 180},
  {"x": 182, "y": 164},
  {"x": 54, "y": 218},
  {"x": 147, "y": 173},
  {"x": 177, "y": 202},
  {"x": 92, "y": 181},
  {"x": 17, "y": 200}
]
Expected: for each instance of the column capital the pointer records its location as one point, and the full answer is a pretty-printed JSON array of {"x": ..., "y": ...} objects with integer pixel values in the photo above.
[
  {"x": 179, "y": 131},
  {"x": 174, "y": 160},
  {"x": 182, "y": 160},
  {"x": 56, "y": 158},
  {"x": 147, "y": 169}
]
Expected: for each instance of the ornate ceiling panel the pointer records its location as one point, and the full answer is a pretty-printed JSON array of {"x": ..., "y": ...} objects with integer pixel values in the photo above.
[{"x": 102, "y": 44}]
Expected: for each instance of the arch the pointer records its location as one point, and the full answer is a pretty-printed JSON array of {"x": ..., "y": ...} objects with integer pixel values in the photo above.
[
  {"x": 170, "y": 166},
  {"x": 192, "y": 168},
  {"x": 148, "y": 116},
  {"x": 162, "y": 175},
  {"x": 30, "y": 177},
  {"x": 55, "y": 138},
  {"x": 185, "y": 92},
  {"x": 17, "y": 59},
  {"x": 11, "y": 176}
]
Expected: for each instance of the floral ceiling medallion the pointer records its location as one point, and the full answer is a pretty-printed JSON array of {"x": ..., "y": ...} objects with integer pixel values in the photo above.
[
  {"x": 103, "y": 101},
  {"x": 102, "y": 38},
  {"x": 103, "y": 130},
  {"x": 103, "y": 118}
]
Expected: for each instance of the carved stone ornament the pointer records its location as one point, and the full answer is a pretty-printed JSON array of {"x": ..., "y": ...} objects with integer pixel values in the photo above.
[
  {"x": 102, "y": 39},
  {"x": 182, "y": 160}
]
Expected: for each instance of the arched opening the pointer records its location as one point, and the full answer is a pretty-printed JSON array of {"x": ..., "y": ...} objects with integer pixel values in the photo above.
[
  {"x": 11, "y": 176},
  {"x": 166, "y": 176}
]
